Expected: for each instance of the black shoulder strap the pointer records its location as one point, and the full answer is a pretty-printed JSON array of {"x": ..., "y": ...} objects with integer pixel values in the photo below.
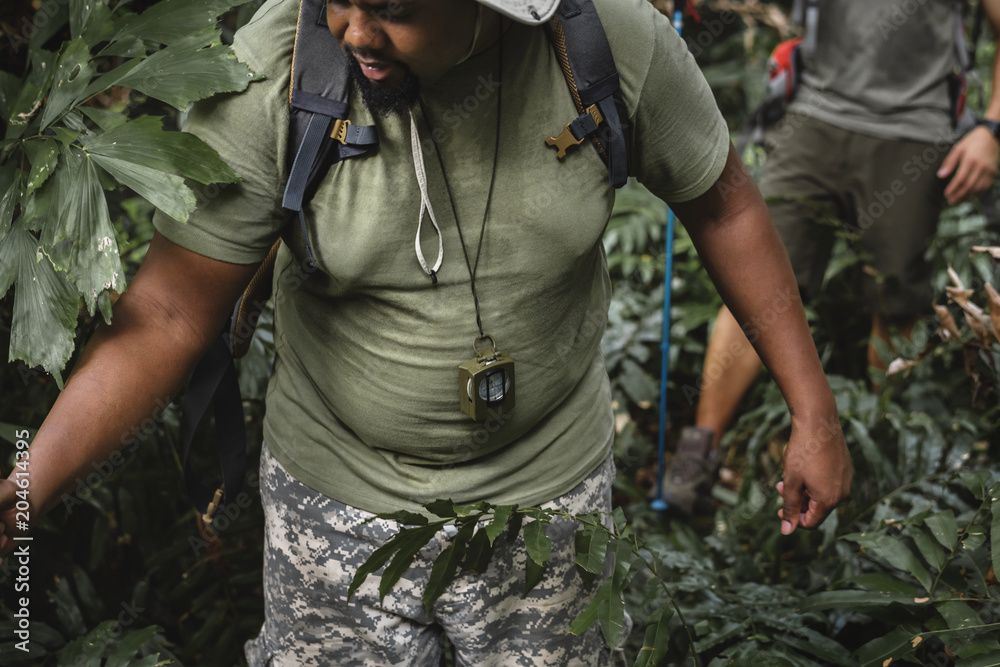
[
  {"x": 319, "y": 135},
  {"x": 578, "y": 35}
]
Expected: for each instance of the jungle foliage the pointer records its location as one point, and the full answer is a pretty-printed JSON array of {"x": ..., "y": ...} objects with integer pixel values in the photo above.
[{"x": 124, "y": 572}]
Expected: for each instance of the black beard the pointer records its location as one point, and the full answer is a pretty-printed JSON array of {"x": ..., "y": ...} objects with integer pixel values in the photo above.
[{"x": 385, "y": 101}]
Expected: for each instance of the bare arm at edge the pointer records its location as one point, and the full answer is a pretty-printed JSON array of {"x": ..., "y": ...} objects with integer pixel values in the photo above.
[
  {"x": 737, "y": 242},
  {"x": 973, "y": 159},
  {"x": 129, "y": 371}
]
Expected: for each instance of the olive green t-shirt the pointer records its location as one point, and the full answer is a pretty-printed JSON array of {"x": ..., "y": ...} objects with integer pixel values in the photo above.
[
  {"x": 881, "y": 68},
  {"x": 363, "y": 405}
]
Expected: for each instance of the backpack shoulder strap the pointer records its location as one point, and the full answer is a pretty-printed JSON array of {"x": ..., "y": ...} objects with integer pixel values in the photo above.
[
  {"x": 583, "y": 51},
  {"x": 319, "y": 133}
]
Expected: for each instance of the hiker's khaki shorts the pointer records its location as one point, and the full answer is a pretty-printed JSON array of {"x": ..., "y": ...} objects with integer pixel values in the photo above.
[
  {"x": 885, "y": 193},
  {"x": 314, "y": 545}
]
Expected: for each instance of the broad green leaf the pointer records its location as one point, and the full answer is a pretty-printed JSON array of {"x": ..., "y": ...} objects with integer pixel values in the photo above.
[
  {"x": 41, "y": 207},
  {"x": 976, "y": 481},
  {"x": 166, "y": 192},
  {"x": 897, "y": 644},
  {"x": 591, "y": 548},
  {"x": 656, "y": 639},
  {"x": 591, "y": 613},
  {"x": 974, "y": 538},
  {"x": 10, "y": 90},
  {"x": 66, "y": 607},
  {"x": 929, "y": 548},
  {"x": 944, "y": 528},
  {"x": 618, "y": 517},
  {"x": 539, "y": 547},
  {"x": 73, "y": 73},
  {"x": 991, "y": 659},
  {"x": 500, "y": 515},
  {"x": 854, "y": 599},
  {"x": 144, "y": 142},
  {"x": 611, "y": 615},
  {"x": 24, "y": 109},
  {"x": 43, "y": 154},
  {"x": 539, "y": 544},
  {"x": 170, "y": 20},
  {"x": 45, "y": 304},
  {"x": 884, "y": 582},
  {"x": 11, "y": 174},
  {"x": 446, "y": 565},
  {"x": 995, "y": 527},
  {"x": 624, "y": 569},
  {"x": 65, "y": 136},
  {"x": 958, "y": 615},
  {"x": 106, "y": 120},
  {"x": 442, "y": 508},
  {"x": 514, "y": 527},
  {"x": 378, "y": 558},
  {"x": 897, "y": 554},
  {"x": 533, "y": 574},
  {"x": 150, "y": 661},
  {"x": 820, "y": 646},
  {"x": 87, "y": 594},
  {"x": 190, "y": 69},
  {"x": 479, "y": 552},
  {"x": 99, "y": 25},
  {"x": 109, "y": 79},
  {"x": 79, "y": 12},
  {"x": 91, "y": 257},
  {"x": 410, "y": 542}
]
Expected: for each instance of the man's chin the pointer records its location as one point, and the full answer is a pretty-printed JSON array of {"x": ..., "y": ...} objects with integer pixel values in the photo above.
[{"x": 386, "y": 97}]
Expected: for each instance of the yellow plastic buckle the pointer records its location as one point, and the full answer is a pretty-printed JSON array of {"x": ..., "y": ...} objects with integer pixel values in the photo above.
[
  {"x": 566, "y": 138},
  {"x": 340, "y": 130}
]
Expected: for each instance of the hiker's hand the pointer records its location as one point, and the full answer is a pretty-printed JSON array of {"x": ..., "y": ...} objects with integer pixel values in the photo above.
[
  {"x": 817, "y": 474},
  {"x": 972, "y": 165}
]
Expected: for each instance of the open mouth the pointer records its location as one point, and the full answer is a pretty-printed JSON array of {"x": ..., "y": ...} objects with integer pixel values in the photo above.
[{"x": 375, "y": 70}]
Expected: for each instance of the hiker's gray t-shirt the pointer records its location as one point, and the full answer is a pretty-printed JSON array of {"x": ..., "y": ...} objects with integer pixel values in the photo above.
[
  {"x": 364, "y": 405},
  {"x": 880, "y": 68}
]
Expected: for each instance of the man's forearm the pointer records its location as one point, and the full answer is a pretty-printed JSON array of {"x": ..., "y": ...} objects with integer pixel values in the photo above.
[{"x": 127, "y": 374}]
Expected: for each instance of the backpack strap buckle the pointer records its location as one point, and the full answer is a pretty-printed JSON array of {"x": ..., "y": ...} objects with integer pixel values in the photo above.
[
  {"x": 339, "y": 131},
  {"x": 575, "y": 131}
]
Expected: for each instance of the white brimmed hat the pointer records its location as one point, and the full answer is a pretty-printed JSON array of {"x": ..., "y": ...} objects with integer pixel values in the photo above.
[{"x": 532, "y": 12}]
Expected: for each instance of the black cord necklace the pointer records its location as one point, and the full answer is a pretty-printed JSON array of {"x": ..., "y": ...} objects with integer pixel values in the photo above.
[{"x": 486, "y": 382}]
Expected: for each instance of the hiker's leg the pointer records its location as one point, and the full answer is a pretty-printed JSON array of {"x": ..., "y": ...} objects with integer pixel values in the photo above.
[
  {"x": 731, "y": 366},
  {"x": 313, "y": 546}
]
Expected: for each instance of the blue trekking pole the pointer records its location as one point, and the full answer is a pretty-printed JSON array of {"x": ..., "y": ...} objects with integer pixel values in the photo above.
[{"x": 659, "y": 504}]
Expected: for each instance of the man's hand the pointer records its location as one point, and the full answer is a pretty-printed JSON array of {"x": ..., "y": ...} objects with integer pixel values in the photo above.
[
  {"x": 973, "y": 161},
  {"x": 817, "y": 475}
]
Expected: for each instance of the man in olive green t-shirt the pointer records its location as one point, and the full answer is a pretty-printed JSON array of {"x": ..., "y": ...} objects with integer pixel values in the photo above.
[{"x": 463, "y": 230}]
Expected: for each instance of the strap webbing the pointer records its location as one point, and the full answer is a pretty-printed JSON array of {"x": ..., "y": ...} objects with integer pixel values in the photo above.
[
  {"x": 595, "y": 78},
  {"x": 215, "y": 381}
]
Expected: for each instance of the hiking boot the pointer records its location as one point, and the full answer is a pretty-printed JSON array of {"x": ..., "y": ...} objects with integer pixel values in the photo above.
[{"x": 692, "y": 470}]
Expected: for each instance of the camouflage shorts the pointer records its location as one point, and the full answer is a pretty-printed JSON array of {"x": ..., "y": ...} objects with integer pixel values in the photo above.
[{"x": 314, "y": 545}]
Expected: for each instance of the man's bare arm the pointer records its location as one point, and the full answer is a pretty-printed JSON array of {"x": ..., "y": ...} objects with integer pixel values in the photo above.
[
  {"x": 972, "y": 161},
  {"x": 174, "y": 308},
  {"x": 737, "y": 242}
]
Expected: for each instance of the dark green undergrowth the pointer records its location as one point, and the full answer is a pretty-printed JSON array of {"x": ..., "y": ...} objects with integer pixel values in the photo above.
[{"x": 123, "y": 573}]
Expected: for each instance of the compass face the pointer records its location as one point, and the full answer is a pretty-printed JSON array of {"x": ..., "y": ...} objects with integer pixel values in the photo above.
[{"x": 494, "y": 386}]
